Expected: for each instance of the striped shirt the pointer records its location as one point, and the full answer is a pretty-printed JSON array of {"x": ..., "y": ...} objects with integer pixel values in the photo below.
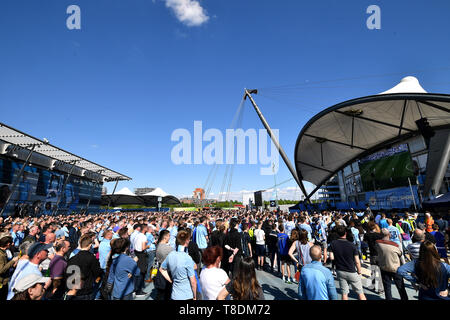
[{"x": 413, "y": 250}]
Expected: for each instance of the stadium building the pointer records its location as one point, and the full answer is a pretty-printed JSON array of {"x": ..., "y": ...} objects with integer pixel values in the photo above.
[{"x": 39, "y": 178}]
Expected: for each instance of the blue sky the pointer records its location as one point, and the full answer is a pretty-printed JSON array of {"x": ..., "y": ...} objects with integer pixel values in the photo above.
[{"x": 114, "y": 91}]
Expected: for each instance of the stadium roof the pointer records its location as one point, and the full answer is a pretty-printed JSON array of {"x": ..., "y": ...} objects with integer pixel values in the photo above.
[
  {"x": 13, "y": 140},
  {"x": 348, "y": 131}
]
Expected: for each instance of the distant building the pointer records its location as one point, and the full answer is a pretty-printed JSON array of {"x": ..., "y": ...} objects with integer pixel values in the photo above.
[{"x": 199, "y": 194}]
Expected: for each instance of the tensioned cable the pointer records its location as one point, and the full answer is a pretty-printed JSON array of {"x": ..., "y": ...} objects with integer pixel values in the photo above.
[
  {"x": 356, "y": 78},
  {"x": 216, "y": 166},
  {"x": 239, "y": 125}
]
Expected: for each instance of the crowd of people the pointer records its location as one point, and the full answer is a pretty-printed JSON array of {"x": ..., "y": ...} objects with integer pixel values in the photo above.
[{"x": 215, "y": 254}]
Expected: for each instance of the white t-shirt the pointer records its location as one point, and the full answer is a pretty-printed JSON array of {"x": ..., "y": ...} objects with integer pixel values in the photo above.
[
  {"x": 259, "y": 235},
  {"x": 288, "y": 227},
  {"x": 138, "y": 241},
  {"x": 212, "y": 281}
]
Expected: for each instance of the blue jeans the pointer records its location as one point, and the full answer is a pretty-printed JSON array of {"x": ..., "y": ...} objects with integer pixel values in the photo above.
[
  {"x": 151, "y": 259},
  {"x": 97, "y": 294}
]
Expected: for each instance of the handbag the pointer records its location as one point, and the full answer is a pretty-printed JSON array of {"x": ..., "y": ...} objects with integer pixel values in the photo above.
[{"x": 159, "y": 281}]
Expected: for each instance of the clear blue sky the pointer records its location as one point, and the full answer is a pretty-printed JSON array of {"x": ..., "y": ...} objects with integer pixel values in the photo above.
[{"x": 114, "y": 91}]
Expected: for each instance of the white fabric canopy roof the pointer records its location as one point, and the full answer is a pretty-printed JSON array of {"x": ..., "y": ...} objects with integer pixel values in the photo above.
[
  {"x": 158, "y": 192},
  {"x": 341, "y": 134},
  {"x": 126, "y": 196},
  {"x": 125, "y": 191}
]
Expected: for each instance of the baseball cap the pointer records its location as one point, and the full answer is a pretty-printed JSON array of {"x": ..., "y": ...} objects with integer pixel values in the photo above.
[
  {"x": 28, "y": 281},
  {"x": 37, "y": 247}
]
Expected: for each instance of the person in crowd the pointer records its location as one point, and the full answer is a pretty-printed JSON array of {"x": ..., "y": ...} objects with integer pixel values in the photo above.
[
  {"x": 163, "y": 248},
  {"x": 260, "y": 246},
  {"x": 16, "y": 235},
  {"x": 305, "y": 226},
  {"x": 201, "y": 237},
  {"x": 213, "y": 279},
  {"x": 283, "y": 245},
  {"x": 104, "y": 249},
  {"x": 151, "y": 253},
  {"x": 32, "y": 235},
  {"x": 140, "y": 251},
  {"x": 57, "y": 268},
  {"x": 389, "y": 260},
  {"x": 85, "y": 266},
  {"x": 30, "y": 287},
  {"x": 193, "y": 251},
  {"x": 6, "y": 241},
  {"x": 50, "y": 239},
  {"x": 428, "y": 235},
  {"x": 289, "y": 225},
  {"x": 246, "y": 241},
  {"x": 395, "y": 235},
  {"x": 383, "y": 222},
  {"x": 301, "y": 245},
  {"x": 355, "y": 236},
  {"x": 181, "y": 267},
  {"x": 320, "y": 235},
  {"x": 123, "y": 233},
  {"x": 218, "y": 235},
  {"x": 272, "y": 241},
  {"x": 370, "y": 238},
  {"x": 37, "y": 252},
  {"x": 348, "y": 265},
  {"x": 245, "y": 285},
  {"x": 232, "y": 248},
  {"x": 121, "y": 271},
  {"x": 316, "y": 282},
  {"x": 440, "y": 242},
  {"x": 405, "y": 230},
  {"x": 443, "y": 224},
  {"x": 429, "y": 221},
  {"x": 173, "y": 228},
  {"x": 414, "y": 248},
  {"x": 427, "y": 274}
]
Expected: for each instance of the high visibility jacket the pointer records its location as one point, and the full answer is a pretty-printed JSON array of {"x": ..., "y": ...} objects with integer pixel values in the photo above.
[{"x": 429, "y": 223}]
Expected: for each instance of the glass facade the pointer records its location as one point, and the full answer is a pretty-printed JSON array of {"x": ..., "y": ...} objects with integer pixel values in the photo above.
[{"x": 42, "y": 188}]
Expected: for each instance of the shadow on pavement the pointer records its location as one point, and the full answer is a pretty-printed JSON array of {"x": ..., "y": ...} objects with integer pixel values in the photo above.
[{"x": 278, "y": 294}]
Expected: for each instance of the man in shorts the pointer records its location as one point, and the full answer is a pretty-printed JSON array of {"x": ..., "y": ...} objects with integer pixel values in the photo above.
[
  {"x": 348, "y": 266},
  {"x": 283, "y": 250}
]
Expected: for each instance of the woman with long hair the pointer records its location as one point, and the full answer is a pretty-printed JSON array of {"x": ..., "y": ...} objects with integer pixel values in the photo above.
[
  {"x": 212, "y": 278},
  {"x": 300, "y": 243},
  {"x": 121, "y": 270},
  {"x": 244, "y": 286},
  {"x": 428, "y": 273}
]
